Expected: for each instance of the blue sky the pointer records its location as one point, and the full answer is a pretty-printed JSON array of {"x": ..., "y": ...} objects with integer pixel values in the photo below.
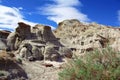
[{"x": 51, "y": 12}]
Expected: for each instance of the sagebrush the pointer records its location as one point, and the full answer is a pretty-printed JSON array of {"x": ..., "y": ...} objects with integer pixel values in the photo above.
[{"x": 101, "y": 64}]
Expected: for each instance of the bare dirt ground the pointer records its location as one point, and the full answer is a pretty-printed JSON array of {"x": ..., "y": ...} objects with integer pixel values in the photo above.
[{"x": 37, "y": 71}]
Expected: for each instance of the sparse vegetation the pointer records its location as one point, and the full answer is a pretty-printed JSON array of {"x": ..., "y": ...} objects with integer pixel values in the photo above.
[{"x": 97, "y": 65}]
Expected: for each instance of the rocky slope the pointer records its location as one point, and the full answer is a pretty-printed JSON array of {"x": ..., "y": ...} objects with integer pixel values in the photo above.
[{"x": 86, "y": 37}]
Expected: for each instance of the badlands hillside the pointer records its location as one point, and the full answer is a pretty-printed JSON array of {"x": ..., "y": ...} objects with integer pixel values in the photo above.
[
  {"x": 39, "y": 53},
  {"x": 86, "y": 37}
]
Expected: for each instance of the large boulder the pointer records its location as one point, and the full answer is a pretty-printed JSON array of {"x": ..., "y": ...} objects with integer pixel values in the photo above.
[
  {"x": 37, "y": 53},
  {"x": 30, "y": 52}
]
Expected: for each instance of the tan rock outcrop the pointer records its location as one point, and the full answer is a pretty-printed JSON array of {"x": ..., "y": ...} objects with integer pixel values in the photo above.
[{"x": 86, "y": 36}]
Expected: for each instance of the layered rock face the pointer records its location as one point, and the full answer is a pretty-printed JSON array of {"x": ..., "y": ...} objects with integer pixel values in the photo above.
[
  {"x": 36, "y": 43},
  {"x": 84, "y": 37}
]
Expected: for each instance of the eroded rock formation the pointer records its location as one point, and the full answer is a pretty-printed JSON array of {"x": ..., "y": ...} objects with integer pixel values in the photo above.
[
  {"x": 39, "y": 42},
  {"x": 35, "y": 43}
]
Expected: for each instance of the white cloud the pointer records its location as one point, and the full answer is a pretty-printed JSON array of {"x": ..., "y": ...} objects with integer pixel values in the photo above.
[
  {"x": 10, "y": 16},
  {"x": 64, "y": 9},
  {"x": 119, "y": 16}
]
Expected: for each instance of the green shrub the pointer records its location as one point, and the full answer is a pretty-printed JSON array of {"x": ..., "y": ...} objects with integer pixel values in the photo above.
[{"x": 97, "y": 65}]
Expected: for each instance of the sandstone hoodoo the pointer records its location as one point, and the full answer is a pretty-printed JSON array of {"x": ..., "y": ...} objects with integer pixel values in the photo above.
[{"x": 35, "y": 43}]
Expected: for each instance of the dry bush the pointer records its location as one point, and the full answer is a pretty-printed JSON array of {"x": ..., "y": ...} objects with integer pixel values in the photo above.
[{"x": 97, "y": 65}]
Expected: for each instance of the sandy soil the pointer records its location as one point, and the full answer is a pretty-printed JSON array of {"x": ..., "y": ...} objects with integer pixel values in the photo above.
[{"x": 37, "y": 71}]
